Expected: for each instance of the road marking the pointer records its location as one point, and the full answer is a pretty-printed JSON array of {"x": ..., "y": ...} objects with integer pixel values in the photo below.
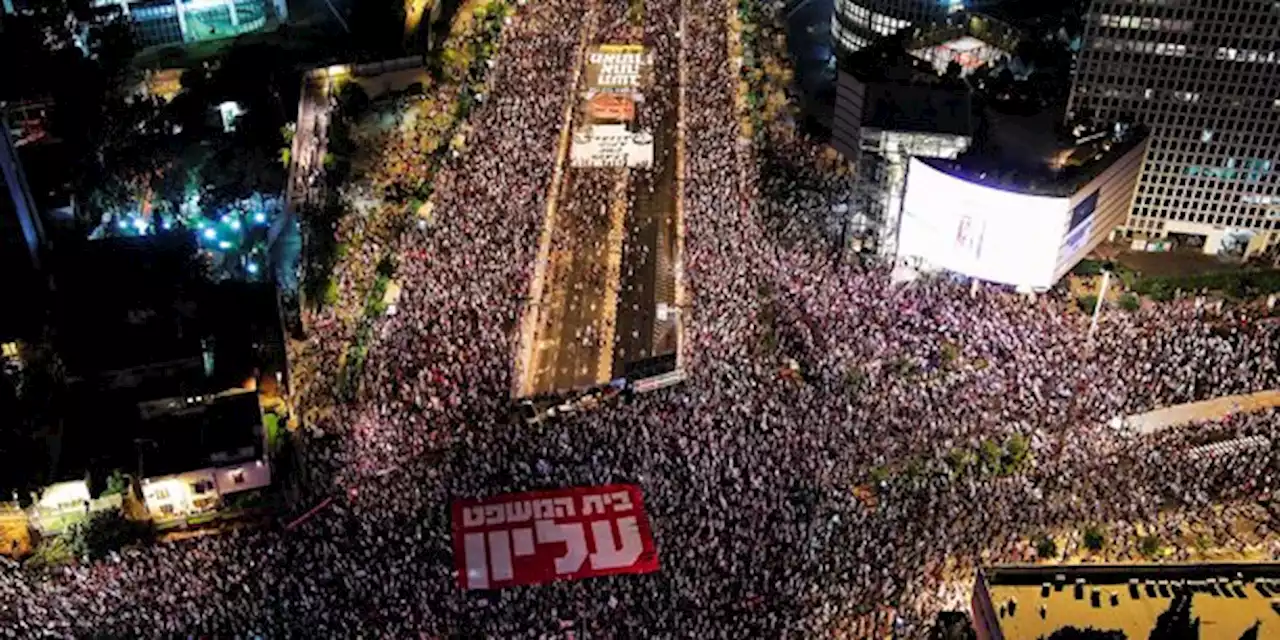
[{"x": 613, "y": 277}]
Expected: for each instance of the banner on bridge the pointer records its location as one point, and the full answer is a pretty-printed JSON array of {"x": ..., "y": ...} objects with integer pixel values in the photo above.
[
  {"x": 611, "y": 108},
  {"x": 617, "y": 67},
  {"x": 543, "y": 536},
  {"x": 611, "y": 145}
]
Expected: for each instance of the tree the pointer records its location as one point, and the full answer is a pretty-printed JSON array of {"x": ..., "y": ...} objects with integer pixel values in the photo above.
[
  {"x": 105, "y": 531},
  {"x": 1016, "y": 452},
  {"x": 990, "y": 454},
  {"x": 1150, "y": 546},
  {"x": 1046, "y": 548},
  {"x": 353, "y": 101},
  {"x": 1130, "y": 302},
  {"x": 1093, "y": 538},
  {"x": 74, "y": 55},
  {"x": 1086, "y": 303}
]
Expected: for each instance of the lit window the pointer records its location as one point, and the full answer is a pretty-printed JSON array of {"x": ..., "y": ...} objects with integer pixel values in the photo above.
[{"x": 10, "y": 349}]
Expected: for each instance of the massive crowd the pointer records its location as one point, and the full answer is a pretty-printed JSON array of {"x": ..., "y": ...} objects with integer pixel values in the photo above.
[{"x": 748, "y": 475}]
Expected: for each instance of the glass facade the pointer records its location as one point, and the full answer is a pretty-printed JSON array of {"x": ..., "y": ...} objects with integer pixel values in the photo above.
[
  {"x": 1204, "y": 76},
  {"x": 857, "y": 23},
  {"x": 172, "y": 22}
]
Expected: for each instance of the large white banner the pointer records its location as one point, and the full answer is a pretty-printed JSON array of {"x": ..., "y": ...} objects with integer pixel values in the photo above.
[
  {"x": 615, "y": 67},
  {"x": 980, "y": 231},
  {"x": 611, "y": 145}
]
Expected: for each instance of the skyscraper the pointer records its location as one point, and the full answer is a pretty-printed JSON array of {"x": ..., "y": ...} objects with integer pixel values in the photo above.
[
  {"x": 1204, "y": 76},
  {"x": 857, "y": 23},
  {"x": 21, "y": 245}
]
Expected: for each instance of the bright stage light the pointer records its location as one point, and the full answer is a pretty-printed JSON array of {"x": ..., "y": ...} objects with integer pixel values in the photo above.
[
  {"x": 259, "y": 217},
  {"x": 224, "y": 245},
  {"x": 253, "y": 267},
  {"x": 140, "y": 224},
  {"x": 210, "y": 234},
  {"x": 235, "y": 225}
]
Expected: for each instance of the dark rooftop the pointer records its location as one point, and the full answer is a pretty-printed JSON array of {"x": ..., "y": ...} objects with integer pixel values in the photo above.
[
  {"x": 128, "y": 302},
  {"x": 1024, "y": 157},
  {"x": 110, "y": 431},
  {"x": 202, "y": 434},
  {"x": 904, "y": 93},
  {"x": 920, "y": 108}
]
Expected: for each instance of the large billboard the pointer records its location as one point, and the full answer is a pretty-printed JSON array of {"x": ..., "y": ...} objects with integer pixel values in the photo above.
[
  {"x": 980, "y": 231},
  {"x": 543, "y": 536}
]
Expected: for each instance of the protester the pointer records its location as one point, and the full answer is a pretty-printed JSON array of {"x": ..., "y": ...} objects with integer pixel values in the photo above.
[{"x": 802, "y": 479}]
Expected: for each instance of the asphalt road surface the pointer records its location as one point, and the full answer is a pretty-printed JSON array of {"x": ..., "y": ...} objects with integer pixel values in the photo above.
[{"x": 611, "y": 264}]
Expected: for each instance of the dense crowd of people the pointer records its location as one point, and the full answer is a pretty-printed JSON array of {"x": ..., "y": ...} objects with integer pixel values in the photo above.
[{"x": 803, "y": 482}]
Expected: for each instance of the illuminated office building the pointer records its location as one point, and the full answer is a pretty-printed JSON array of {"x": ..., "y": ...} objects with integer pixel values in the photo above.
[
  {"x": 858, "y": 23},
  {"x": 1204, "y": 77},
  {"x": 176, "y": 22},
  {"x": 168, "y": 22}
]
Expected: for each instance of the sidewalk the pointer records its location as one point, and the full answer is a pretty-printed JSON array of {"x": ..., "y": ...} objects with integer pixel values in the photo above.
[{"x": 1214, "y": 409}]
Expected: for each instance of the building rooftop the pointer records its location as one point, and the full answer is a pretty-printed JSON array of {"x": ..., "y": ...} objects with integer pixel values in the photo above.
[
  {"x": 183, "y": 435},
  {"x": 917, "y": 108},
  {"x": 966, "y": 31},
  {"x": 1027, "y": 155},
  {"x": 158, "y": 437},
  {"x": 1228, "y": 598},
  {"x": 904, "y": 93},
  {"x": 128, "y": 302}
]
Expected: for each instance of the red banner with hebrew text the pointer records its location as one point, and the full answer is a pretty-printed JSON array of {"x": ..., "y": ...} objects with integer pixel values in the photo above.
[{"x": 543, "y": 536}]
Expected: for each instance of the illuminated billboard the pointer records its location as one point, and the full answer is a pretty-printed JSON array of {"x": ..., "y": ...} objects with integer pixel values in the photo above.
[{"x": 981, "y": 231}]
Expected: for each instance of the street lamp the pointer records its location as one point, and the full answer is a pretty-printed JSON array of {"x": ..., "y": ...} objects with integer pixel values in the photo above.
[{"x": 1107, "y": 267}]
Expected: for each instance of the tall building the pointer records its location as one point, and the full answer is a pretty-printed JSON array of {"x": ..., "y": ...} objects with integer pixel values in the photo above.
[
  {"x": 858, "y": 23},
  {"x": 1204, "y": 77},
  {"x": 22, "y": 245}
]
